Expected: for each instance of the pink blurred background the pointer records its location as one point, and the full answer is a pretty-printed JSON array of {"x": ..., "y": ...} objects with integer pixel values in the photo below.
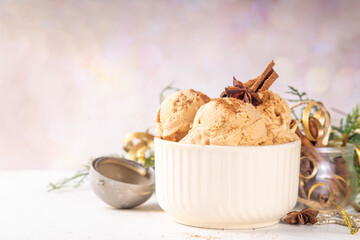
[{"x": 75, "y": 76}]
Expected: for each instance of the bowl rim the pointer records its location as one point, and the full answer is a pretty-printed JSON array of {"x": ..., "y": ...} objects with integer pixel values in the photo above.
[
  {"x": 149, "y": 169},
  {"x": 219, "y": 147},
  {"x": 349, "y": 148}
]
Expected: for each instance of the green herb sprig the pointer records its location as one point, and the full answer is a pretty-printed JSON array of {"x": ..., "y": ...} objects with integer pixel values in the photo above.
[
  {"x": 77, "y": 179},
  {"x": 74, "y": 182},
  {"x": 349, "y": 128},
  {"x": 299, "y": 97}
]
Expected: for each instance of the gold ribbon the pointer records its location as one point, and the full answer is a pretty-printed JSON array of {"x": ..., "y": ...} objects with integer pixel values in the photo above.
[
  {"x": 339, "y": 216},
  {"x": 136, "y": 151},
  {"x": 321, "y": 118},
  {"x": 320, "y": 206},
  {"x": 313, "y": 161},
  {"x": 357, "y": 148},
  {"x": 349, "y": 221},
  {"x": 313, "y": 187},
  {"x": 293, "y": 129}
]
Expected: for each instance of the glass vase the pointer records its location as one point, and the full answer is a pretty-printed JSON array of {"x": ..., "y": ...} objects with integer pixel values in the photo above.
[{"x": 327, "y": 174}]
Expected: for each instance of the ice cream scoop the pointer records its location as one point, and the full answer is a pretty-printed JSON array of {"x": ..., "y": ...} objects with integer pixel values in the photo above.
[
  {"x": 176, "y": 114},
  {"x": 277, "y": 116},
  {"x": 121, "y": 183},
  {"x": 231, "y": 122}
]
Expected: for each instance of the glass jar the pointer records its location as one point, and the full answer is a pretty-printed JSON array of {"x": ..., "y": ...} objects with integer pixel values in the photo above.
[{"x": 327, "y": 174}]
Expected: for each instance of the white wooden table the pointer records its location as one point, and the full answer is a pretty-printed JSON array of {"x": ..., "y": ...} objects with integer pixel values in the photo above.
[{"x": 28, "y": 211}]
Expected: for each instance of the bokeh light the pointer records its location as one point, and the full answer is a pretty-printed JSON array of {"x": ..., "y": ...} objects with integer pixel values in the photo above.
[{"x": 75, "y": 77}]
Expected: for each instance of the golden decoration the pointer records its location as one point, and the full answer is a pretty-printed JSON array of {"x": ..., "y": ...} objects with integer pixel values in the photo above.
[
  {"x": 136, "y": 151},
  {"x": 357, "y": 148},
  {"x": 331, "y": 197},
  {"x": 313, "y": 161},
  {"x": 339, "y": 216},
  {"x": 293, "y": 129},
  {"x": 321, "y": 119},
  {"x": 319, "y": 206}
]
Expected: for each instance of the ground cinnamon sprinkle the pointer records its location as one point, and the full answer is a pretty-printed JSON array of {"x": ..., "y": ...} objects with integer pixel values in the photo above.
[
  {"x": 192, "y": 236},
  {"x": 231, "y": 104}
]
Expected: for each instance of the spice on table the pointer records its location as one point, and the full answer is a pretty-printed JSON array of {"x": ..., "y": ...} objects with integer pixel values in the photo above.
[{"x": 305, "y": 216}]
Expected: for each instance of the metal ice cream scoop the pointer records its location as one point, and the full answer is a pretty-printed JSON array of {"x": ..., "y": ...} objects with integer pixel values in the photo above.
[{"x": 121, "y": 183}]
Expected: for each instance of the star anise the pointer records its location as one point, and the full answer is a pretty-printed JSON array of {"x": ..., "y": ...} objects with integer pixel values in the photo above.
[
  {"x": 305, "y": 216},
  {"x": 241, "y": 92}
]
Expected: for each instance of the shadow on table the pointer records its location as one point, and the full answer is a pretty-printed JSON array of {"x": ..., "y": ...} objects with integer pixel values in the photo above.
[{"x": 148, "y": 207}]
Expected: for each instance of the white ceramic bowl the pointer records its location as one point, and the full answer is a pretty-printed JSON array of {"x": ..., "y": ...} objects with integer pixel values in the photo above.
[{"x": 226, "y": 187}]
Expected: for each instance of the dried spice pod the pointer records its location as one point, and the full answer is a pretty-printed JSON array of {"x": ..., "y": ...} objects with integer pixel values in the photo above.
[
  {"x": 241, "y": 92},
  {"x": 305, "y": 216}
]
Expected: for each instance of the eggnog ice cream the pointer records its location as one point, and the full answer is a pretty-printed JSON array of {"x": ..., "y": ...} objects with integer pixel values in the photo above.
[
  {"x": 198, "y": 136},
  {"x": 231, "y": 122},
  {"x": 276, "y": 113},
  {"x": 176, "y": 114},
  {"x": 246, "y": 114}
]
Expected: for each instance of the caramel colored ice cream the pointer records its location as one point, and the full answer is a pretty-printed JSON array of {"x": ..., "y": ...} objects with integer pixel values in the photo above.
[
  {"x": 197, "y": 136},
  {"x": 246, "y": 114},
  {"x": 176, "y": 114},
  {"x": 231, "y": 122},
  {"x": 276, "y": 113}
]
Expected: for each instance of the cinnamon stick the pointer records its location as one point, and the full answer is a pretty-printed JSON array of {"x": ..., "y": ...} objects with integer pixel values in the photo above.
[
  {"x": 250, "y": 82},
  {"x": 267, "y": 72},
  {"x": 304, "y": 140},
  {"x": 268, "y": 82}
]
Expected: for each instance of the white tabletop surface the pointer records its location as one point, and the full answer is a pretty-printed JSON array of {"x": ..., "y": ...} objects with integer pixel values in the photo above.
[{"x": 28, "y": 211}]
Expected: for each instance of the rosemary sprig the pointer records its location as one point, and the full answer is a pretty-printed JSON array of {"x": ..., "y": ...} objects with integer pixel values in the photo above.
[
  {"x": 167, "y": 89},
  {"x": 299, "y": 97},
  {"x": 81, "y": 175},
  {"x": 349, "y": 127},
  {"x": 74, "y": 181}
]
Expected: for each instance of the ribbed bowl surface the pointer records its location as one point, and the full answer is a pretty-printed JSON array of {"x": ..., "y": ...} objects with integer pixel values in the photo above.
[{"x": 226, "y": 187}]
